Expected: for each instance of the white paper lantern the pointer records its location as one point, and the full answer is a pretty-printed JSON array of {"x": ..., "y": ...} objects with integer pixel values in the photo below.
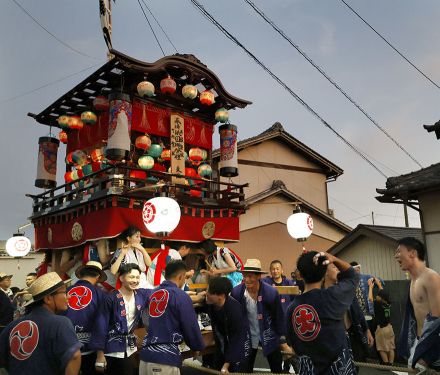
[
  {"x": 161, "y": 215},
  {"x": 18, "y": 246},
  {"x": 300, "y": 225}
]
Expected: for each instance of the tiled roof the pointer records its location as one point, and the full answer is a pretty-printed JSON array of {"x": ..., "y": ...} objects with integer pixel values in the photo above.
[
  {"x": 387, "y": 232},
  {"x": 408, "y": 186}
]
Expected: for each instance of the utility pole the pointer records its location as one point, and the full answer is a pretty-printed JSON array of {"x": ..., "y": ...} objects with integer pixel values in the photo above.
[
  {"x": 405, "y": 214},
  {"x": 372, "y": 217}
]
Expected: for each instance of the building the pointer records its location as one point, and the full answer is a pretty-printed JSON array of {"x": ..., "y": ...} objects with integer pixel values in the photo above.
[
  {"x": 419, "y": 190},
  {"x": 373, "y": 247},
  {"x": 280, "y": 171}
]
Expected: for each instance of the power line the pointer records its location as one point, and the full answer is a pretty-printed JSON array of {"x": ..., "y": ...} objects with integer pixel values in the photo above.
[
  {"x": 151, "y": 27},
  {"x": 47, "y": 84},
  {"x": 166, "y": 35},
  {"x": 320, "y": 70},
  {"x": 284, "y": 85},
  {"x": 51, "y": 34},
  {"x": 389, "y": 44}
]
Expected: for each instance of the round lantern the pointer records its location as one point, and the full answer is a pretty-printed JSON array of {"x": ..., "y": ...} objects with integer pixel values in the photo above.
[
  {"x": 75, "y": 123},
  {"x": 159, "y": 167},
  {"x": 190, "y": 172},
  {"x": 69, "y": 160},
  {"x": 166, "y": 154},
  {"x": 204, "y": 170},
  {"x": 68, "y": 177},
  {"x": 101, "y": 103},
  {"x": 168, "y": 85},
  {"x": 195, "y": 154},
  {"x": 87, "y": 169},
  {"x": 138, "y": 174},
  {"x": 228, "y": 150},
  {"x": 88, "y": 118},
  {"x": 79, "y": 157},
  {"x": 161, "y": 215},
  {"x": 62, "y": 136},
  {"x": 146, "y": 162},
  {"x": 97, "y": 154},
  {"x": 47, "y": 163},
  {"x": 145, "y": 88},
  {"x": 143, "y": 142},
  {"x": 18, "y": 246},
  {"x": 300, "y": 225},
  {"x": 63, "y": 122},
  {"x": 222, "y": 115},
  {"x": 204, "y": 154},
  {"x": 189, "y": 91},
  {"x": 155, "y": 150},
  {"x": 118, "y": 143},
  {"x": 207, "y": 97}
]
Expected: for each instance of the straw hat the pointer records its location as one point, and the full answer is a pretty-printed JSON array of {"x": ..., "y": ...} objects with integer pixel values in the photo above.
[
  {"x": 94, "y": 266},
  {"x": 4, "y": 276},
  {"x": 44, "y": 285},
  {"x": 252, "y": 265}
]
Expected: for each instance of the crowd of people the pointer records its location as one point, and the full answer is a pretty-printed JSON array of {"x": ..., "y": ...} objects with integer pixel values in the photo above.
[{"x": 91, "y": 326}]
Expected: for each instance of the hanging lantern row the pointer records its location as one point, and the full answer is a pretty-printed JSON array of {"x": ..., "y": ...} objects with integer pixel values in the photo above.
[
  {"x": 77, "y": 122},
  {"x": 168, "y": 86}
]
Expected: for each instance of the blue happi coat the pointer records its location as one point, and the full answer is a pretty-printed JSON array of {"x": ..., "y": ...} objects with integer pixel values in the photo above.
[
  {"x": 112, "y": 334},
  {"x": 172, "y": 319},
  {"x": 285, "y": 299},
  {"x": 316, "y": 327},
  {"x": 84, "y": 303},
  {"x": 39, "y": 343},
  {"x": 271, "y": 319}
]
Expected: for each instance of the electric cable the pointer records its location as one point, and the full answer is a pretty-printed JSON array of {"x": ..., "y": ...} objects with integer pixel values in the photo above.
[
  {"x": 51, "y": 34},
  {"x": 151, "y": 27},
  {"x": 284, "y": 85},
  {"x": 320, "y": 70},
  {"x": 166, "y": 35},
  {"x": 390, "y": 45}
]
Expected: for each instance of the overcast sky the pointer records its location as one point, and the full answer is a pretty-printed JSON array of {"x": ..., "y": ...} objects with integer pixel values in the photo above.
[{"x": 396, "y": 95}]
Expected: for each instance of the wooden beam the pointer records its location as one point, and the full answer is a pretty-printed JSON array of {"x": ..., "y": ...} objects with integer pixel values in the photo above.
[{"x": 280, "y": 166}]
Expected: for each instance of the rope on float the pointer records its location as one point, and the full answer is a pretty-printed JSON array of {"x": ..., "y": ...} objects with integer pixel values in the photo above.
[{"x": 189, "y": 363}]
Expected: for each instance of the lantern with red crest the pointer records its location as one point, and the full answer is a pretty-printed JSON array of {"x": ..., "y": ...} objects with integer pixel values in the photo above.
[
  {"x": 207, "y": 97},
  {"x": 62, "y": 136},
  {"x": 196, "y": 155},
  {"x": 143, "y": 142},
  {"x": 168, "y": 85},
  {"x": 101, "y": 103}
]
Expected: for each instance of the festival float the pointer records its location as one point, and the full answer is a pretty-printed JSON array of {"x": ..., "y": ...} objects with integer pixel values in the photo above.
[{"x": 134, "y": 131}]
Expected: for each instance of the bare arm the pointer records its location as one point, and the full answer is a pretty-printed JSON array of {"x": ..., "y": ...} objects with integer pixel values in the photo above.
[
  {"x": 115, "y": 266},
  {"x": 433, "y": 291},
  {"x": 147, "y": 259},
  {"x": 370, "y": 289},
  {"x": 74, "y": 364},
  {"x": 102, "y": 246},
  {"x": 342, "y": 265},
  {"x": 231, "y": 268}
]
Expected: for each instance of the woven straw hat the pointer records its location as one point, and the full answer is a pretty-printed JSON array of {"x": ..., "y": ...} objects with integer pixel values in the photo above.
[
  {"x": 92, "y": 265},
  {"x": 252, "y": 265},
  {"x": 44, "y": 285}
]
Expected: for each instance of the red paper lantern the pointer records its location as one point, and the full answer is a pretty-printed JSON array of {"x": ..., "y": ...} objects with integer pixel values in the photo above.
[
  {"x": 207, "y": 97},
  {"x": 101, "y": 103},
  {"x": 80, "y": 173},
  {"x": 159, "y": 167},
  {"x": 62, "y": 136},
  {"x": 138, "y": 174},
  {"x": 143, "y": 142},
  {"x": 96, "y": 166},
  {"x": 68, "y": 177},
  {"x": 195, "y": 193},
  {"x": 75, "y": 123},
  {"x": 166, "y": 154},
  {"x": 168, "y": 85},
  {"x": 190, "y": 172}
]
